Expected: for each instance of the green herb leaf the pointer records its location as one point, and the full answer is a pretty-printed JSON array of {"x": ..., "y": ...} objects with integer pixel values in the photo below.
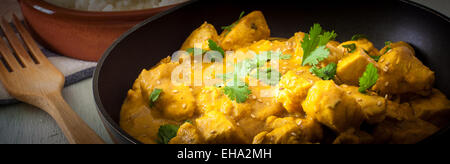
[
  {"x": 230, "y": 27},
  {"x": 237, "y": 92},
  {"x": 350, "y": 47},
  {"x": 376, "y": 58},
  {"x": 193, "y": 50},
  {"x": 369, "y": 78},
  {"x": 213, "y": 46},
  {"x": 154, "y": 96},
  {"x": 188, "y": 121},
  {"x": 359, "y": 36},
  {"x": 314, "y": 45},
  {"x": 326, "y": 37},
  {"x": 326, "y": 73},
  {"x": 388, "y": 44},
  {"x": 166, "y": 133},
  {"x": 316, "y": 56}
]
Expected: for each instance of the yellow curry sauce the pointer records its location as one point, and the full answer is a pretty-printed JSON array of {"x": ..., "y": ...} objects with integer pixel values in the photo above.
[{"x": 300, "y": 107}]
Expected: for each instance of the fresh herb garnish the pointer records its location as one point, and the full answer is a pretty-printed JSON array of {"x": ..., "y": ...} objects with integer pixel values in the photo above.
[
  {"x": 388, "y": 45},
  {"x": 359, "y": 36},
  {"x": 196, "y": 51},
  {"x": 350, "y": 47},
  {"x": 166, "y": 133},
  {"x": 213, "y": 46},
  {"x": 317, "y": 55},
  {"x": 237, "y": 92},
  {"x": 230, "y": 27},
  {"x": 326, "y": 73},
  {"x": 369, "y": 78},
  {"x": 244, "y": 67},
  {"x": 376, "y": 58},
  {"x": 188, "y": 121},
  {"x": 314, "y": 45},
  {"x": 154, "y": 96}
]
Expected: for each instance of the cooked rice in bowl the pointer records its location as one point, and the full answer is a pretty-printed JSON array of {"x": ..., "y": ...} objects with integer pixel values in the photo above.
[{"x": 112, "y": 5}]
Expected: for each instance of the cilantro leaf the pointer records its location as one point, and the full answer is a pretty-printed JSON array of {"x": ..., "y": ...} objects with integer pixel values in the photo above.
[
  {"x": 154, "y": 96},
  {"x": 166, "y": 133},
  {"x": 230, "y": 27},
  {"x": 194, "y": 50},
  {"x": 238, "y": 93},
  {"x": 316, "y": 56},
  {"x": 213, "y": 46},
  {"x": 359, "y": 36},
  {"x": 350, "y": 47},
  {"x": 376, "y": 58},
  {"x": 369, "y": 78},
  {"x": 326, "y": 73},
  {"x": 388, "y": 44},
  {"x": 326, "y": 37},
  {"x": 314, "y": 45}
]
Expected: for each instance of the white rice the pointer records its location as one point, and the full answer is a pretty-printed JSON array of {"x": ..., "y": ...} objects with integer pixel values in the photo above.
[{"x": 112, "y": 5}]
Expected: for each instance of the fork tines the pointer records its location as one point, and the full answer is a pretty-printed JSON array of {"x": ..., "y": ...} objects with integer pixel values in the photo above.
[{"x": 16, "y": 56}]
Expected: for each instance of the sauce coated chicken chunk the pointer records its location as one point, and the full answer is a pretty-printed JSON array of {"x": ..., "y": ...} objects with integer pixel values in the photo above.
[
  {"x": 401, "y": 72},
  {"x": 330, "y": 105},
  {"x": 263, "y": 89}
]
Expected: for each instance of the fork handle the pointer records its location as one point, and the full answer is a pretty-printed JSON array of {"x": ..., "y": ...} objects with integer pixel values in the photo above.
[{"x": 73, "y": 127}]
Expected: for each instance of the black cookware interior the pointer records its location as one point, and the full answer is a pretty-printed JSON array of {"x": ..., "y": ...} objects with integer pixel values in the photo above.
[{"x": 158, "y": 37}]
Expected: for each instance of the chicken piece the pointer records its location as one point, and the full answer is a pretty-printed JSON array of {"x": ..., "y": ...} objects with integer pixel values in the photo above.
[
  {"x": 336, "y": 54},
  {"x": 174, "y": 102},
  {"x": 353, "y": 66},
  {"x": 353, "y": 136},
  {"x": 289, "y": 130},
  {"x": 435, "y": 109},
  {"x": 399, "y": 112},
  {"x": 187, "y": 134},
  {"x": 250, "y": 28},
  {"x": 200, "y": 36},
  {"x": 216, "y": 128},
  {"x": 296, "y": 42},
  {"x": 363, "y": 44},
  {"x": 330, "y": 105},
  {"x": 293, "y": 88},
  {"x": 401, "y": 72},
  {"x": 373, "y": 106},
  {"x": 403, "y": 132},
  {"x": 260, "y": 138},
  {"x": 213, "y": 99}
]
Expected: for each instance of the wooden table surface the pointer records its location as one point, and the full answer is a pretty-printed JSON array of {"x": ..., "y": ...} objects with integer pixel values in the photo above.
[{"x": 22, "y": 123}]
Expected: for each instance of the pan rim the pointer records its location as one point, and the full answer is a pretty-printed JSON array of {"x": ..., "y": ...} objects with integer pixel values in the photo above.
[{"x": 116, "y": 127}]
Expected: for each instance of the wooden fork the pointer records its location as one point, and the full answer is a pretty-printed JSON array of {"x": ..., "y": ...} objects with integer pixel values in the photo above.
[{"x": 31, "y": 78}]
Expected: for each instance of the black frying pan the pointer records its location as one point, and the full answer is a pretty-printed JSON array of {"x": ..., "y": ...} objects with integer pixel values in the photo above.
[{"x": 158, "y": 37}]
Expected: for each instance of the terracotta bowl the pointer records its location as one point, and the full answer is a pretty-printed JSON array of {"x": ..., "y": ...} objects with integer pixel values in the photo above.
[{"x": 80, "y": 34}]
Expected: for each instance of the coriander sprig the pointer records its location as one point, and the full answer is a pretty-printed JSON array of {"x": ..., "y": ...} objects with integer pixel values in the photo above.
[
  {"x": 237, "y": 92},
  {"x": 326, "y": 73},
  {"x": 154, "y": 96},
  {"x": 369, "y": 78},
  {"x": 358, "y": 37},
  {"x": 314, "y": 45},
  {"x": 230, "y": 27},
  {"x": 166, "y": 133},
  {"x": 215, "y": 47},
  {"x": 350, "y": 47}
]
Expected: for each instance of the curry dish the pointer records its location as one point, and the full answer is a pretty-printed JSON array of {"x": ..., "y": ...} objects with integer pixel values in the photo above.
[{"x": 317, "y": 91}]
